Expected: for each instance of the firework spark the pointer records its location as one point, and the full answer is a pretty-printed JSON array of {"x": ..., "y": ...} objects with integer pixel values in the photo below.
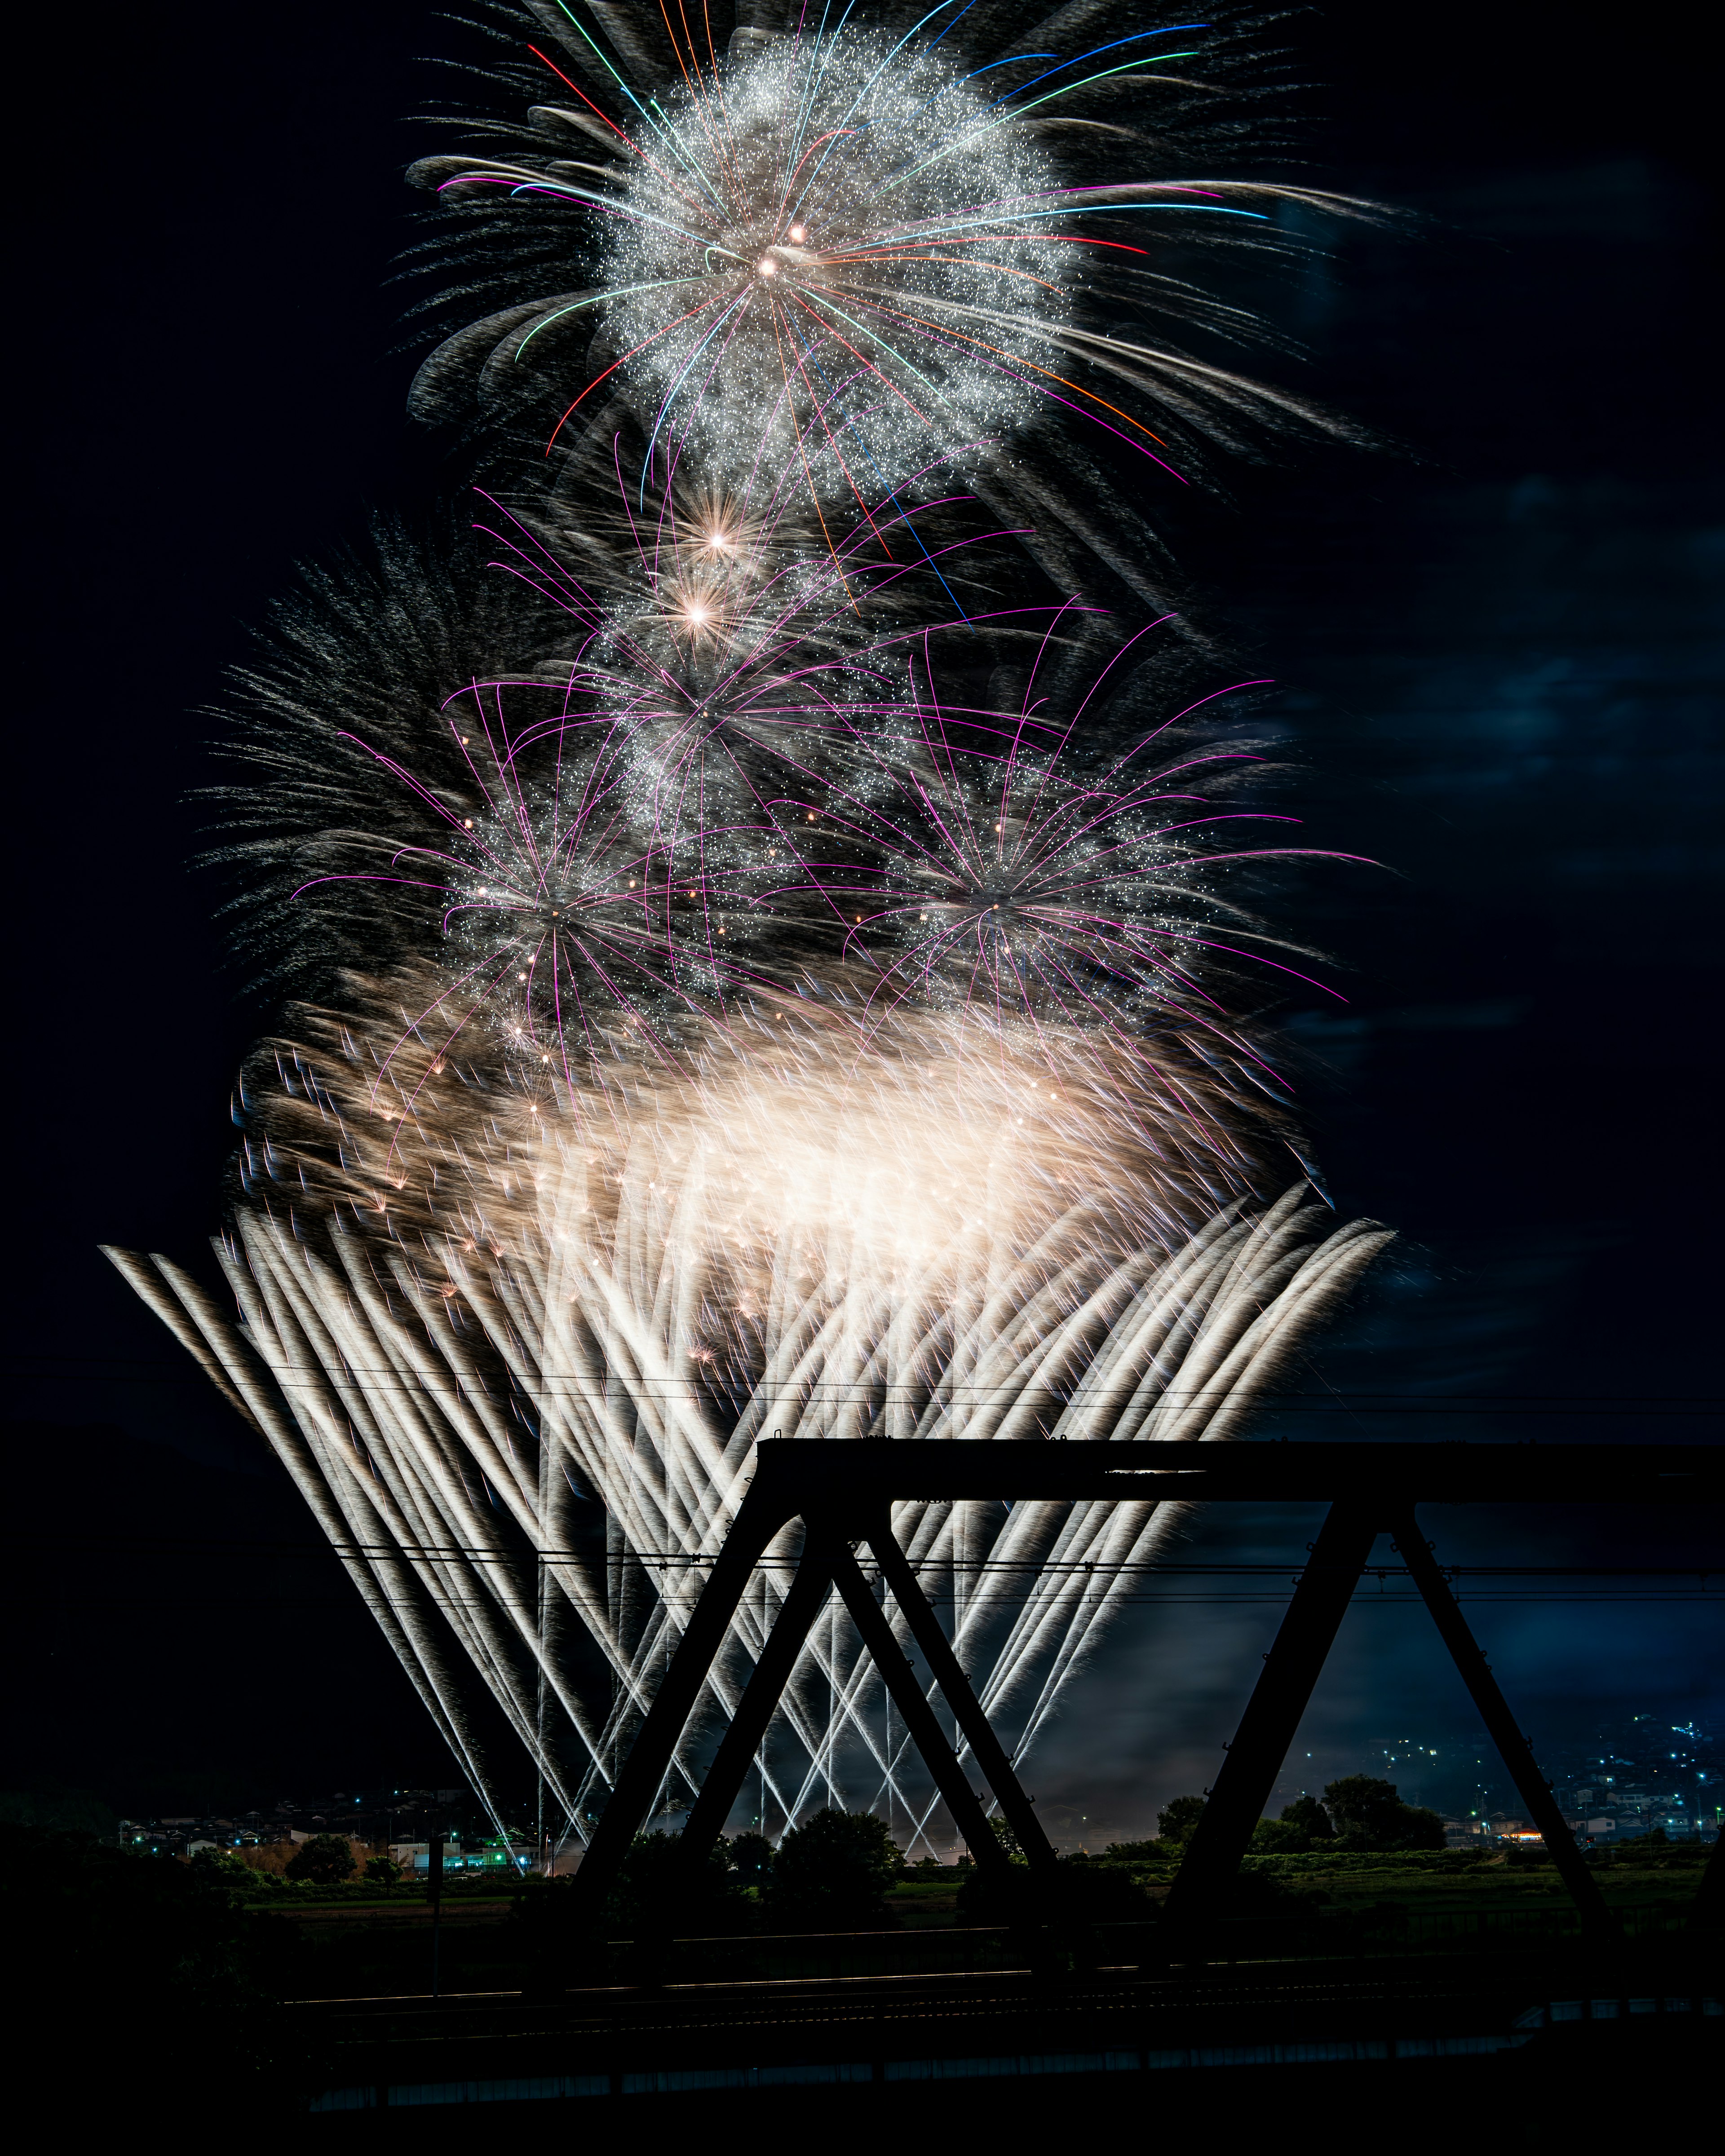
[
  {"x": 807, "y": 1232},
  {"x": 767, "y": 962},
  {"x": 861, "y": 255},
  {"x": 666, "y": 824},
  {"x": 984, "y": 862}
]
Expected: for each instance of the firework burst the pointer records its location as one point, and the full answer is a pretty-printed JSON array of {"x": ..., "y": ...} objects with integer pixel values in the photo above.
[
  {"x": 679, "y": 811},
  {"x": 570, "y": 835},
  {"x": 786, "y": 295},
  {"x": 759, "y": 969},
  {"x": 860, "y": 255},
  {"x": 592, "y": 1309},
  {"x": 993, "y": 862}
]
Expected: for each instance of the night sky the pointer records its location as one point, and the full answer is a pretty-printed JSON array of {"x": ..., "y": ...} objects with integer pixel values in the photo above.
[{"x": 1497, "y": 639}]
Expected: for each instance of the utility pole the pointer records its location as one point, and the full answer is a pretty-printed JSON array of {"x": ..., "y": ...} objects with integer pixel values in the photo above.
[{"x": 434, "y": 1882}]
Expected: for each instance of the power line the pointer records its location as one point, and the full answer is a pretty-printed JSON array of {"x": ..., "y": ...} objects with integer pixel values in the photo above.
[
  {"x": 159, "y": 1545},
  {"x": 937, "y": 1601},
  {"x": 562, "y": 1384}
]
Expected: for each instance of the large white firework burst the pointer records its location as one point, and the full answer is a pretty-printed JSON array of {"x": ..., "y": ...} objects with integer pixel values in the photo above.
[
  {"x": 867, "y": 256},
  {"x": 835, "y": 256}
]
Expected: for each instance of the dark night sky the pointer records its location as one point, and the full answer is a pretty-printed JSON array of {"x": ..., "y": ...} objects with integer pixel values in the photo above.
[{"x": 1500, "y": 676}]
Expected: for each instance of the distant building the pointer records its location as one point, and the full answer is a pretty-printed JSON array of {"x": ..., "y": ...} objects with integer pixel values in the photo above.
[{"x": 372, "y": 1818}]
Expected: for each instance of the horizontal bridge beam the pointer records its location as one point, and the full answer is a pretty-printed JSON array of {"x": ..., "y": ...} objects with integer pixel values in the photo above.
[{"x": 792, "y": 1474}]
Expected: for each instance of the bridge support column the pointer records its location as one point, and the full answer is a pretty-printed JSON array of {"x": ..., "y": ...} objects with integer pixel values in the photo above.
[
  {"x": 1514, "y": 1749},
  {"x": 1267, "y": 1729}
]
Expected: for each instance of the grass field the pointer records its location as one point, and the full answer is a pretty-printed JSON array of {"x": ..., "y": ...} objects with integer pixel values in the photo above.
[{"x": 358, "y": 1943}]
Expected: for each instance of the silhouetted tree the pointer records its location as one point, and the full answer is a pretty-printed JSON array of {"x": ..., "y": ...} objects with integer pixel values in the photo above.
[
  {"x": 59, "y": 1811},
  {"x": 1304, "y": 1824},
  {"x": 653, "y": 1898},
  {"x": 158, "y": 1957},
  {"x": 655, "y": 1893},
  {"x": 832, "y": 1873},
  {"x": 1369, "y": 1813},
  {"x": 1079, "y": 1891},
  {"x": 751, "y": 1857},
  {"x": 223, "y": 1868},
  {"x": 383, "y": 1871},
  {"x": 1309, "y": 1817},
  {"x": 1177, "y": 1819},
  {"x": 325, "y": 1861}
]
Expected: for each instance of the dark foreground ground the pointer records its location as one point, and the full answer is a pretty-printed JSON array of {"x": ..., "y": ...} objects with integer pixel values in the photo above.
[{"x": 1495, "y": 2042}]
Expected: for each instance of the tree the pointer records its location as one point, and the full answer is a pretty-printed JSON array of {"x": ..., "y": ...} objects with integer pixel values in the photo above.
[
  {"x": 144, "y": 1948},
  {"x": 1309, "y": 1817},
  {"x": 225, "y": 1867},
  {"x": 832, "y": 1873},
  {"x": 325, "y": 1861},
  {"x": 1369, "y": 1813},
  {"x": 751, "y": 1857},
  {"x": 1304, "y": 1824},
  {"x": 1077, "y": 1890},
  {"x": 59, "y": 1811},
  {"x": 383, "y": 1871},
  {"x": 1177, "y": 1819},
  {"x": 655, "y": 1894},
  {"x": 1008, "y": 1841}
]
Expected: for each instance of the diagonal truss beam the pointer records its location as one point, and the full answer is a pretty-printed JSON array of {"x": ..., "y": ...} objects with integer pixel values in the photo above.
[
  {"x": 645, "y": 1766},
  {"x": 1267, "y": 1729},
  {"x": 1284, "y": 1690},
  {"x": 1514, "y": 1749},
  {"x": 826, "y": 1563},
  {"x": 844, "y": 1489},
  {"x": 926, "y": 1733},
  {"x": 985, "y": 1746},
  {"x": 723, "y": 1781}
]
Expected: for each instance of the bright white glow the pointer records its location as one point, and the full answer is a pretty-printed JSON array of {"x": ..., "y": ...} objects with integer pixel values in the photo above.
[{"x": 799, "y": 1193}]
